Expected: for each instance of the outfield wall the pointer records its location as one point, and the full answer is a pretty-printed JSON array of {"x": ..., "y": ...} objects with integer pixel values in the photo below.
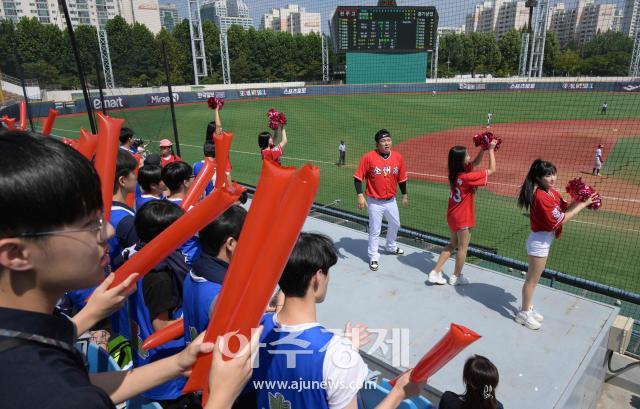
[{"x": 40, "y": 109}]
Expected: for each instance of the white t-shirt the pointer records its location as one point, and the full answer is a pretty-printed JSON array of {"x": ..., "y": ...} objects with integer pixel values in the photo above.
[
  {"x": 343, "y": 369},
  {"x": 598, "y": 154},
  {"x": 342, "y": 147}
]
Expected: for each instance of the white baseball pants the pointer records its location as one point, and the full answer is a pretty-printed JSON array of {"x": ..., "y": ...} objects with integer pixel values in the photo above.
[{"x": 376, "y": 209}]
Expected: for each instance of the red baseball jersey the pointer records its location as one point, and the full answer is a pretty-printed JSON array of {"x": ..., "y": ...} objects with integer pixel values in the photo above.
[
  {"x": 274, "y": 153},
  {"x": 382, "y": 175},
  {"x": 547, "y": 211},
  {"x": 462, "y": 209},
  {"x": 172, "y": 158}
]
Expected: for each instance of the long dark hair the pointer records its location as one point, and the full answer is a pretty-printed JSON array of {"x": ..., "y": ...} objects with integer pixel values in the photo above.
[
  {"x": 539, "y": 168},
  {"x": 263, "y": 140},
  {"x": 481, "y": 379},
  {"x": 457, "y": 155}
]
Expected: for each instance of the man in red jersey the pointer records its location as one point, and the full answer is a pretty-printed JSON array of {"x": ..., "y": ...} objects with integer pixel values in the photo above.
[{"x": 383, "y": 170}]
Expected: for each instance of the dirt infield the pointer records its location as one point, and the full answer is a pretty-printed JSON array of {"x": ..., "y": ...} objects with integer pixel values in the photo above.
[{"x": 570, "y": 145}]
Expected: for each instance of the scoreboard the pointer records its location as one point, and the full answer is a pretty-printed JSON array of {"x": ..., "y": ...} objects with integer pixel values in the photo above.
[{"x": 362, "y": 28}]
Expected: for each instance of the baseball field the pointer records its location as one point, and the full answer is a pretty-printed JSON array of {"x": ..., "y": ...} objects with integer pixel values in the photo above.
[{"x": 563, "y": 127}]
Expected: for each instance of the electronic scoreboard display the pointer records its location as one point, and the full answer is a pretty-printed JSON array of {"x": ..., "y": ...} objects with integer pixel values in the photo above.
[{"x": 362, "y": 28}]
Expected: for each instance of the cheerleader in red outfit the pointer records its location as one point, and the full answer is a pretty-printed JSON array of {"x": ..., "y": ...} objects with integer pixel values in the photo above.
[
  {"x": 548, "y": 211},
  {"x": 461, "y": 214}
]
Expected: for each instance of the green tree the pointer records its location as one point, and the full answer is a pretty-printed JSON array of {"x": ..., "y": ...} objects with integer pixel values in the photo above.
[
  {"x": 120, "y": 49},
  {"x": 211, "y": 35},
  {"x": 509, "y": 47},
  {"x": 551, "y": 54},
  {"x": 183, "y": 40},
  {"x": 568, "y": 63}
]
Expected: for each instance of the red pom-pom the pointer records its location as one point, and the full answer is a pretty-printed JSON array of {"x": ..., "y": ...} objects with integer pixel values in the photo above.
[
  {"x": 484, "y": 140},
  {"x": 276, "y": 119},
  {"x": 580, "y": 192},
  {"x": 215, "y": 102}
]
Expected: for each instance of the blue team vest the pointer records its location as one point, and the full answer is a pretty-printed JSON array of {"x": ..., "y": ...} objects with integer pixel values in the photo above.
[
  {"x": 144, "y": 199},
  {"x": 140, "y": 315},
  {"x": 307, "y": 374},
  {"x": 200, "y": 288},
  {"x": 191, "y": 248},
  {"x": 118, "y": 212},
  {"x": 197, "y": 167}
]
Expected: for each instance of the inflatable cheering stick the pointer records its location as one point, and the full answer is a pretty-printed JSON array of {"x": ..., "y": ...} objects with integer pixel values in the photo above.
[
  {"x": 274, "y": 182},
  {"x": 23, "y": 115},
  {"x": 200, "y": 184},
  {"x": 87, "y": 144},
  {"x": 271, "y": 186},
  {"x": 10, "y": 122},
  {"x": 173, "y": 236},
  {"x": 223, "y": 144},
  {"x": 166, "y": 334},
  {"x": 48, "y": 123},
  {"x": 106, "y": 156},
  {"x": 457, "y": 338}
]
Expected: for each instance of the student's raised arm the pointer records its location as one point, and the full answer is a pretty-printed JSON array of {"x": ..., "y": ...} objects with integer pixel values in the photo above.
[{"x": 283, "y": 142}]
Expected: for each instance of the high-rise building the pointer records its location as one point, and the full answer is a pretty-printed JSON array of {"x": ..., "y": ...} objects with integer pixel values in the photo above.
[
  {"x": 596, "y": 18},
  {"x": 169, "y": 16},
  {"x": 631, "y": 17},
  {"x": 512, "y": 15},
  {"x": 225, "y": 13},
  {"x": 497, "y": 17},
  {"x": 89, "y": 12},
  {"x": 291, "y": 19},
  {"x": 145, "y": 12}
]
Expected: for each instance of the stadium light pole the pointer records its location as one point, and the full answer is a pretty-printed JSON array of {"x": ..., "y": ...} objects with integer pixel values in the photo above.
[
  {"x": 76, "y": 54},
  {"x": 167, "y": 72}
]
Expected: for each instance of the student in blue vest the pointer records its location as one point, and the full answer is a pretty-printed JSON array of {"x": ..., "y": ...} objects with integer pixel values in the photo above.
[
  {"x": 151, "y": 184},
  {"x": 209, "y": 150},
  {"x": 158, "y": 301},
  {"x": 322, "y": 359},
  {"x": 204, "y": 282},
  {"x": 55, "y": 205},
  {"x": 126, "y": 140},
  {"x": 177, "y": 176},
  {"x": 122, "y": 218}
]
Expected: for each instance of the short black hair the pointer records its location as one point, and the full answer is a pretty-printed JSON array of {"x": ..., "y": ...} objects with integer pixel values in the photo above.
[
  {"x": 148, "y": 175},
  {"x": 175, "y": 173},
  {"x": 154, "y": 217},
  {"x": 263, "y": 140},
  {"x": 216, "y": 233},
  {"x": 209, "y": 149},
  {"x": 125, "y": 135},
  {"x": 312, "y": 252},
  {"x": 44, "y": 184},
  {"x": 211, "y": 129},
  {"x": 152, "y": 159},
  {"x": 125, "y": 164}
]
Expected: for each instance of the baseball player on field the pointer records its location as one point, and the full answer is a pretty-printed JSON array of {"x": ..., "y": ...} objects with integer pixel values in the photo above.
[{"x": 382, "y": 170}]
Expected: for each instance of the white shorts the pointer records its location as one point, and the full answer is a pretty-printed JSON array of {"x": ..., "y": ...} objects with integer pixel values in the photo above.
[
  {"x": 539, "y": 243},
  {"x": 597, "y": 164}
]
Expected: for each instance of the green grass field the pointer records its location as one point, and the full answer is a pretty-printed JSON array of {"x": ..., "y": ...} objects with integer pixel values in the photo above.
[{"x": 601, "y": 246}]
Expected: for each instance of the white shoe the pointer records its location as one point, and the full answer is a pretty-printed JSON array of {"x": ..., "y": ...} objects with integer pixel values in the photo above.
[
  {"x": 526, "y": 318},
  {"x": 538, "y": 317},
  {"x": 455, "y": 280},
  {"x": 436, "y": 278}
]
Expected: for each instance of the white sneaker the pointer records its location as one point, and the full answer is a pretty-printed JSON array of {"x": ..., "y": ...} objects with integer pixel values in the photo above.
[
  {"x": 455, "y": 280},
  {"x": 526, "y": 318},
  {"x": 436, "y": 278},
  {"x": 538, "y": 317}
]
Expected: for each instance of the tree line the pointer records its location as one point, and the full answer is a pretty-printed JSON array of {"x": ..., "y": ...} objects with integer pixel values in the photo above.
[
  {"x": 608, "y": 54},
  {"x": 267, "y": 56},
  {"x": 136, "y": 57}
]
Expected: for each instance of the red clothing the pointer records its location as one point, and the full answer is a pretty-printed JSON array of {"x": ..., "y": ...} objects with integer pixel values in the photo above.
[
  {"x": 462, "y": 210},
  {"x": 274, "y": 153},
  {"x": 547, "y": 211},
  {"x": 172, "y": 158},
  {"x": 382, "y": 175}
]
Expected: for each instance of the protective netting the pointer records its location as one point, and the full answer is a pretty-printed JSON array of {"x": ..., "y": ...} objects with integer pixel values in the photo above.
[{"x": 562, "y": 117}]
